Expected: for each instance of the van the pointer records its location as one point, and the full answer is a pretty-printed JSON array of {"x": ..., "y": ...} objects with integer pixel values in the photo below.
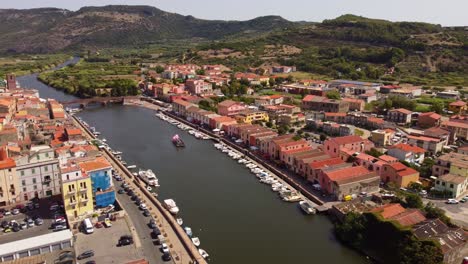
[{"x": 88, "y": 226}]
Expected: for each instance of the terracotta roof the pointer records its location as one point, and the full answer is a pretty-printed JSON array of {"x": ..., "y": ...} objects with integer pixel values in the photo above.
[
  {"x": 97, "y": 164},
  {"x": 458, "y": 103},
  {"x": 73, "y": 131},
  {"x": 389, "y": 210},
  {"x": 314, "y": 98},
  {"x": 388, "y": 158},
  {"x": 402, "y": 110},
  {"x": 409, "y": 217},
  {"x": 423, "y": 138},
  {"x": 455, "y": 124},
  {"x": 327, "y": 114},
  {"x": 430, "y": 114},
  {"x": 228, "y": 103},
  {"x": 347, "y": 140},
  {"x": 408, "y": 148},
  {"x": 325, "y": 163},
  {"x": 345, "y": 173},
  {"x": 452, "y": 178}
]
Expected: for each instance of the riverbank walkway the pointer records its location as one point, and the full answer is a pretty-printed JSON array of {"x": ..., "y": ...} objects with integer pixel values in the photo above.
[{"x": 182, "y": 248}]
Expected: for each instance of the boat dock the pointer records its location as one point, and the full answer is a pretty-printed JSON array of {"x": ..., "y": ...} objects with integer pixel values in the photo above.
[{"x": 183, "y": 250}]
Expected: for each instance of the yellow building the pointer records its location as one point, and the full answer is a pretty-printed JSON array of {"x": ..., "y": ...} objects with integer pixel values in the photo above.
[
  {"x": 458, "y": 107},
  {"x": 382, "y": 137},
  {"x": 77, "y": 192},
  {"x": 9, "y": 181},
  {"x": 250, "y": 116}
]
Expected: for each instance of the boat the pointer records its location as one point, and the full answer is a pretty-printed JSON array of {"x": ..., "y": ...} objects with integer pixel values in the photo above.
[
  {"x": 188, "y": 231},
  {"x": 116, "y": 153},
  {"x": 307, "y": 207},
  {"x": 149, "y": 177},
  {"x": 131, "y": 167},
  {"x": 205, "y": 137},
  {"x": 104, "y": 140},
  {"x": 292, "y": 198},
  {"x": 196, "y": 241},
  {"x": 171, "y": 206},
  {"x": 177, "y": 141},
  {"x": 203, "y": 253},
  {"x": 180, "y": 221}
]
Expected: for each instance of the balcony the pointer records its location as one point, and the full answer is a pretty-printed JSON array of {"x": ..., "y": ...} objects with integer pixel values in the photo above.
[
  {"x": 83, "y": 190},
  {"x": 84, "y": 200},
  {"x": 72, "y": 203},
  {"x": 71, "y": 192},
  {"x": 46, "y": 181}
]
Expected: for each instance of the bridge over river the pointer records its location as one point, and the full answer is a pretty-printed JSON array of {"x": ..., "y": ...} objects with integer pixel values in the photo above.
[{"x": 84, "y": 102}]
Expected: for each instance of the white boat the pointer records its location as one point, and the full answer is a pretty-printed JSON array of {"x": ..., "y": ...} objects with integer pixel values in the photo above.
[
  {"x": 131, "y": 167},
  {"x": 104, "y": 140},
  {"x": 196, "y": 241},
  {"x": 292, "y": 198},
  {"x": 116, "y": 153},
  {"x": 241, "y": 161},
  {"x": 188, "y": 231},
  {"x": 180, "y": 221},
  {"x": 205, "y": 137},
  {"x": 171, "y": 206},
  {"x": 96, "y": 133},
  {"x": 149, "y": 177},
  {"x": 203, "y": 253},
  {"x": 307, "y": 207}
]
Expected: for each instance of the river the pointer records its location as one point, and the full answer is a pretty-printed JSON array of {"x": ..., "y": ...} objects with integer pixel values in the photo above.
[{"x": 237, "y": 219}]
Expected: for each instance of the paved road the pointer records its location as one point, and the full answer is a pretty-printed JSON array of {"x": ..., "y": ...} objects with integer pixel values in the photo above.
[
  {"x": 150, "y": 249},
  {"x": 457, "y": 212}
]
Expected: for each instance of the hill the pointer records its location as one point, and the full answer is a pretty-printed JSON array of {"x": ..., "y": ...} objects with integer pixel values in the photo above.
[{"x": 50, "y": 30}]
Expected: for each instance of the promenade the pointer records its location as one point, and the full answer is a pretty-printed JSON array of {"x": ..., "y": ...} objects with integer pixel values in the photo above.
[{"x": 182, "y": 248}]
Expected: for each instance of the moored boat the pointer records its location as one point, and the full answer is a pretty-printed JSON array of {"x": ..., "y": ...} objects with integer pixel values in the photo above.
[
  {"x": 171, "y": 206},
  {"x": 149, "y": 177},
  {"x": 188, "y": 231},
  {"x": 180, "y": 221},
  {"x": 196, "y": 241},
  {"x": 203, "y": 253},
  {"x": 177, "y": 141},
  {"x": 307, "y": 207}
]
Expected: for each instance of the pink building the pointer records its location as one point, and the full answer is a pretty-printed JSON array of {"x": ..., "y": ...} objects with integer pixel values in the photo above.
[
  {"x": 199, "y": 87},
  {"x": 230, "y": 108},
  {"x": 353, "y": 143}
]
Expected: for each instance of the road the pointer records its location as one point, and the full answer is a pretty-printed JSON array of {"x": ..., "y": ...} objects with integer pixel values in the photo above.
[
  {"x": 150, "y": 249},
  {"x": 457, "y": 212}
]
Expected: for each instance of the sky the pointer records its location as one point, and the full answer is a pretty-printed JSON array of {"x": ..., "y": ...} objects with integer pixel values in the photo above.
[{"x": 444, "y": 12}]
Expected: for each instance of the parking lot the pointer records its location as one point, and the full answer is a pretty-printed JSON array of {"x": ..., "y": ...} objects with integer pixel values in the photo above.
[
  {"x": 104, "y": 243},
  {"x": 457, "y": 212},
  {"x": 31, "y": 231}
]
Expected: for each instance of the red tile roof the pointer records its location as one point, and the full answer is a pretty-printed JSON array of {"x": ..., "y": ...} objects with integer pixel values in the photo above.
[
  {"x": 408, "y": 148},
  {"x": 458, "y": 103},
  {"x": 347, "y": 173},
  {"x": 325, "y": 163},
  {"x": 389, "y": 210},
  {"x": 409, "y": 217},
  {"x": 402, "y": 110},
  {"x": 388, "y": 158},
  {"x": 347, "y": 140},
  {"x": 430, "y": 114}
]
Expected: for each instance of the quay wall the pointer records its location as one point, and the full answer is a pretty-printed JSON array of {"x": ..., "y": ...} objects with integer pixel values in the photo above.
[{"x": 185, "y": 241}]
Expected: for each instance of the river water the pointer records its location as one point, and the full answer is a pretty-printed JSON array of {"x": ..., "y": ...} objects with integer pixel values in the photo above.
[{"x": 237, "y": 219}]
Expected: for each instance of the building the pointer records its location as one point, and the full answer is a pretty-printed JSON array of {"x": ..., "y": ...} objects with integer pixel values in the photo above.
[
  {"x": 319, "y": 103},
  {"x": 382, "y": 137},
  {"x": 180, "y": 107},
  {"x": 33, "y": 246},
  {"x": 39, "y": 173},
  {"x": 249, "y": 116},
  {"x": 452, "y": 184},
  {"x": 395, "y": 212},
  {"x": 399, "y": 174},
  {"x": 333, "y": 146},
  {"x": 400, "y": 116},
  {"x": 453, "y": 163},
  {"x": 455, "y": 95},
  {"x": 77, "y": 192},
  {"x": 221, "y": 122},
  {"x": 458, "y": 107},
  {"x": 429, "y": 119},
  {"x": 350, "y": 182},
  {"x": 452, "y": 241},
  {"x": 355, "y": 104},
  {"x": 11, "y": 82},
  {"x": 230, "y": 108},
  {"x": 9, "y": 181},
  {"x": 406, "y": 152},
  {"x": 199, "y": 87},
  {"x": 100, "y": 172},
  {"x": 430, "y": 144},
  {"x": 458, "y": 130}
]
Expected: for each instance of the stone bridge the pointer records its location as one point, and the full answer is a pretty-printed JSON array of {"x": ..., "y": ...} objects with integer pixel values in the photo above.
[{"x": 99, "y": 100}]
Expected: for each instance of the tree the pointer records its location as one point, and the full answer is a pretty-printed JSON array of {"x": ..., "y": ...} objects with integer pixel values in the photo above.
[
  {"x": 374, "y": 152},
  {"x": 352, "y": 229},
  {"x": 415, "y": 186},
  {"x": 433, "y": 212},
  {"x": 413, "y": 201},
  {"x": 437, "y": 106},
  {"x": 333, "y": 94},
  {"x": 159, "y": 69},
  {"x": 200, "y": 72}
]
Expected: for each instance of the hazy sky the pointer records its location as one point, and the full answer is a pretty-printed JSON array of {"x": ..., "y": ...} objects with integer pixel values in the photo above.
[{"x": 444, "y": 12}]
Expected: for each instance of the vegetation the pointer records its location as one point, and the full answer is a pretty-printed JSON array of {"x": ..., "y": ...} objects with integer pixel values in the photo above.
[
  {"x": 26, "y": 64},
  {"x": 334, "y": 94},
  {"x": 374, "y": 152},
  {"x": 87, "y": 79},
  {"x": 386, "y": 240}
]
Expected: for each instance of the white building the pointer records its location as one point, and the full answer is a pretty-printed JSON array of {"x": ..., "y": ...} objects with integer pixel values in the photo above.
[{"x": 455, "y": 184}]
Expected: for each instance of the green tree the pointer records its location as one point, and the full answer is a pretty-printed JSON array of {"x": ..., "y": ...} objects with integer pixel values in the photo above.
[
  {"x": 374, "y": 152},
  {"x": 333, "y": 94},
  {"x": 437, "y": 106},
  {"x": 433, "y": 212},
  {"x": 413, "y": 200},
  {"x": 159, "y": 69}
]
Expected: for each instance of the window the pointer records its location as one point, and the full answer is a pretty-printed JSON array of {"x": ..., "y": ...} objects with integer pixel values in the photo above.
[
  {"x": 451, "y": 185},
  {"x": 35, "y": 187},
  {"x": 9, "y": 170},
  {"x": 46, "y": 168},
  {"x": 23, "y": 182},
  {"x": 443, "y": 183},
  {"x": 24, "y": 189},
  {"x": 22, "y": 173},
  {"x": 34, "y": 180},
  {"x": 33, "y": 171},
  {"x": 47, "y": 154},
  {"x": 68, "y": 177}
]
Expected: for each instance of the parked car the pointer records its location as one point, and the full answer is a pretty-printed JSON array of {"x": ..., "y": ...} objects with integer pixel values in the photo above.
[
  {"x": 38, "y": 221},
  {"x": 16, "y": 228},
  {"x": 23, "y": 225},
  {"x": 86, "y": 254},
  {"x": 146, "y": 213},
  {"x": 30, "y": 222},
  {"x": 7, "y": 229},
  {"x": 98, "y": 225},
  {"x": 6, "y": 213},
  {"x": 143, "y": 206},
  {"x": 164, "y": 248},
  {"x": 107, "y": 222},
  {"x": 152, "y": 224},
  {"x": 166, "y": 257},
  {"x": 90, "y": 262},
  {"x": 15, "y": 211},
  {"x": 59, "y": 227},
  {"x": 451, "y": 201},
  {"x": 134, "y": 197},
  {"x": 125, "y": 240},
  {"x": 5, "y": 224},
  {"x": 121, "y": 191}
]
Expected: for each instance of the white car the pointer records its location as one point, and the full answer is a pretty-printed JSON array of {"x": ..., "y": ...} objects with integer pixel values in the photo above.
[
  {"x": 164, "y": 248},
  {"x": 451, "y": 201},
  {"x": 143, "y": 206}
]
